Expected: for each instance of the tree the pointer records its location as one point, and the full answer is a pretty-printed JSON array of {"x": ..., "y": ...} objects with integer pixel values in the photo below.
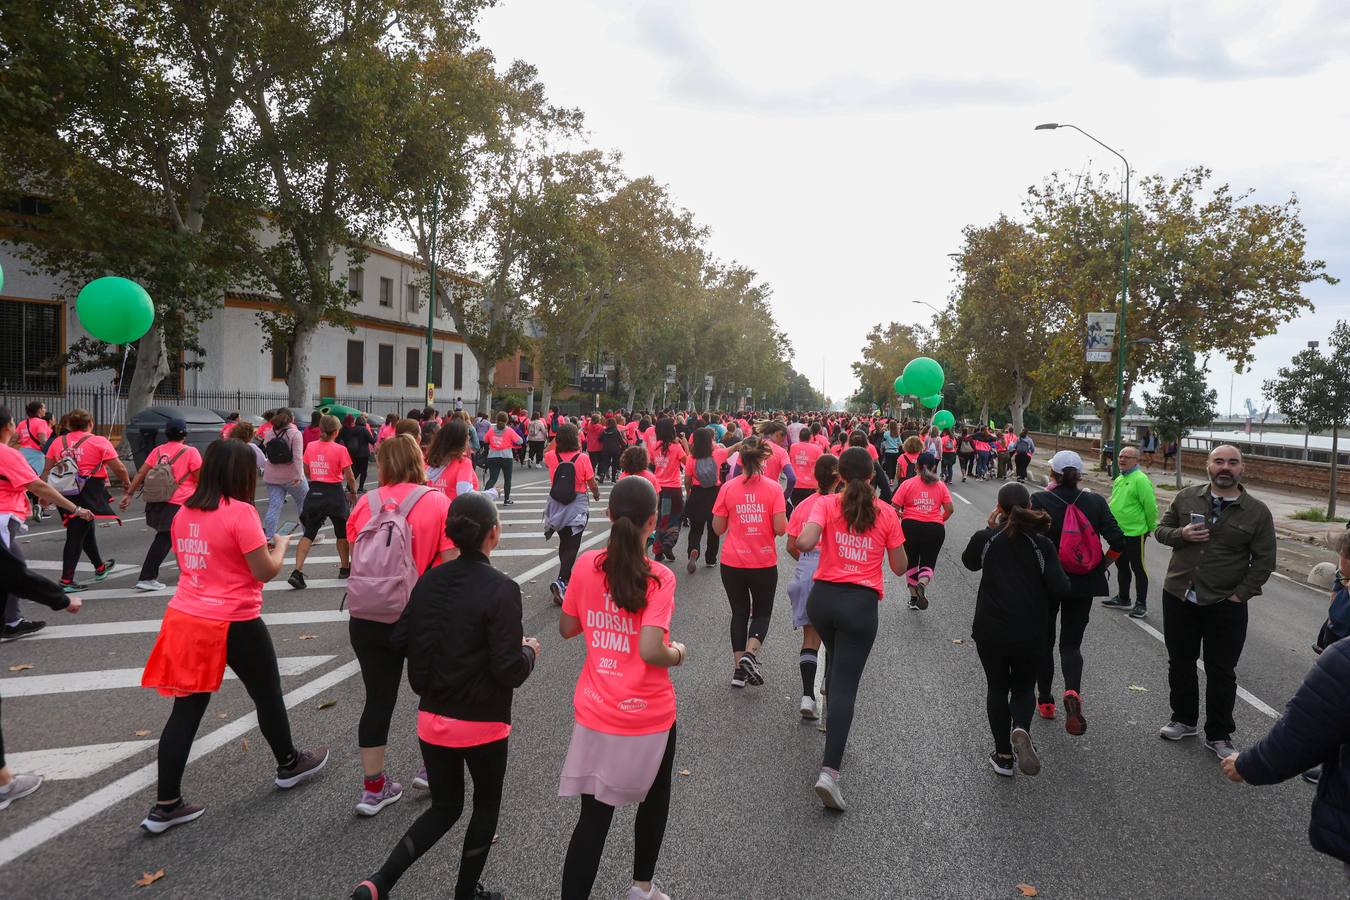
[
  {"x": 1314, "y": 392},
  {"x": 889, "y": 347},
  {"x": 1184, "y": 401}
]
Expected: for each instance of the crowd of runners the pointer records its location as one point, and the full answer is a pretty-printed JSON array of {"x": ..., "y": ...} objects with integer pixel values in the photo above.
[{"x": 854, "y": 495}]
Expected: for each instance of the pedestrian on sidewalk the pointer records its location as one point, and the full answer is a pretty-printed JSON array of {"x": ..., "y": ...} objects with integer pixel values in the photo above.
[
  {"x": 467, "y": 653},
  {"x": 1223, "y": 552},
  {"x": 1021, "y": 576},
  {"x": 1135, "y": 506},
  {"x": 1093, "y": 523},
  {"x": 622, "y": 749},
  {"x": 215, "y": 620}
]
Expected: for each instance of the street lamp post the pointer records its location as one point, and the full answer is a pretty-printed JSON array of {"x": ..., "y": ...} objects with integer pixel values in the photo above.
[
  {"x": 431, "y": 299},
  {"x": 1307, "y": 429},
  {"x": 1124, "y": 292}
]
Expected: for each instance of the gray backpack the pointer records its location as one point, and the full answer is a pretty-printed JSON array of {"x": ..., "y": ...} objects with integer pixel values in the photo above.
[
  {"x": 65, "y": 477},
  {"x": 160, "y": 482},
  {"x": 705, "y": 472}
]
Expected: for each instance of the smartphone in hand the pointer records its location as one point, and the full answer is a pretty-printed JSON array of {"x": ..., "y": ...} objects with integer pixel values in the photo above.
[{"x": 1198, "y": 519}]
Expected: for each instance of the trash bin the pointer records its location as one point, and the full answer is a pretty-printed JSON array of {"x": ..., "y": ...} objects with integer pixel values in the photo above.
[{"x": 146, "y": 431}]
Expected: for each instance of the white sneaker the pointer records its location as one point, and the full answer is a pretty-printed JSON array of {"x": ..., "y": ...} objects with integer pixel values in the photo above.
[
  {"x": 151, "y": 585},
  {"x": 827, "y": 789},
  {"x": 808, "y": 709}
]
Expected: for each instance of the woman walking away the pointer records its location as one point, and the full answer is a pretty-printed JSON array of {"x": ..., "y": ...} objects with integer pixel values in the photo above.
[
  {"x": 925, "y": 504},
  {"x": 668, "y": 455},
  {"x": 168, "y": 477},
  {"x": 567, "y": 512},
  {"x": 358, "y": 440},
  {"x": 803, "y": 456},
  {"x": 965, "y": 452},
  {"x": 908, "y": 464},
  {"x": 214, "y": 620},
  {"x": 1023, "y": 450},
  {"x": 948, "y": 455},
  {"x": 284, "y": 473},
  {"x": 77, "y": 467},
  {"x": 703, "y": 474},
  {"x": 623, "y": 741},
  {"x": 1092, "y": 521},
  {"x": 854, "y": 530},
  {"x": 466, "y": 654},
  {"x": 1021, "y": 574},
  {"x": 826, "y": 476},
  {"x": 634, "y": 462},
  {"x": 327, "y": 466},
  {"x": 536, "y": 436},
  {"x": 611, "y": 448},
  {"x": 750, "y": 513},
  {"x": 891, "y": 444},
  {"x": 449, "y": 461},
  {"x": 501, "y": 443},
  {"x": 397, "y": 533}
]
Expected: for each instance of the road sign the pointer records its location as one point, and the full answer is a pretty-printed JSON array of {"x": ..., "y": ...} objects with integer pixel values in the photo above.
[
  {"x": 593, "y": 384},
  {"x": 670, "y": 374},
  {"x": 431, "y": 393},
  {"x": 707, "y": 382},
  {"x": 1101, "y": 336}
]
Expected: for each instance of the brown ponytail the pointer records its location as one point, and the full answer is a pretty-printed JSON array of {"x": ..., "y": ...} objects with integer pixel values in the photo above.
[
  {"x": 855, "y": 467},
  {"x": 827, "y": 473},
  {"x": 627, "y": 575},
  {"x": 1016, "y": 514},
  {"x": 753, "y": 453}
]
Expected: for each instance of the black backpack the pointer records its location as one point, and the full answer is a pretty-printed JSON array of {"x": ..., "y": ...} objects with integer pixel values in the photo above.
[
  {"x": 278, "y": 449},
  {"x": 564, "y": 489}
]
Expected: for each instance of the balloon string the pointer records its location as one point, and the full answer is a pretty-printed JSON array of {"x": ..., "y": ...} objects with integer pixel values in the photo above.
[{"x": 126, "y": 352}]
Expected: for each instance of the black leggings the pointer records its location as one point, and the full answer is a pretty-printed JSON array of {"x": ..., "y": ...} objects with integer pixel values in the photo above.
[
  {"x": 80, "y": 539},
  {"x": 699, "y": 510},
  {"x": 569, "y": 543},
  {"x": 750, "y": 593},
  {"x": 445, "y": 777},
  {"x": 249, "y": 654},
  {"x": 609, "y": 465},
  {"x": 381, "y": 673},
  {"x": 536, "y": 451},
  {"x": 1011, "y": 696},
  {"x": 923, "y": 542},
  {"x": 669, "y": 515},
  {"x": 1022, "y": 460},
  {"x": 948, "y": 463},
  {"x": 649, "y": 829},
  {"x": 1074, "y": 612},
  {"x": 499, "y": 466},
  {"x": 846, "y": 617},
  {"x": 968, "y": 465},
  {"x": 360, "y": 468},
  {"x": 1130, "y": 568},
  {"x": 160, "y": 545}
]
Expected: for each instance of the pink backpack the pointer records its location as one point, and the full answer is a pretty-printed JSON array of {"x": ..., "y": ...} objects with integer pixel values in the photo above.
[
  {"x": 383, "y": 570},
  {"x": 1080, "y": 547}
]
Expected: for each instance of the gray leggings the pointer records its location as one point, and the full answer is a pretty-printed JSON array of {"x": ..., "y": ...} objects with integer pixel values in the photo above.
[{"x": 846, "y": 617}]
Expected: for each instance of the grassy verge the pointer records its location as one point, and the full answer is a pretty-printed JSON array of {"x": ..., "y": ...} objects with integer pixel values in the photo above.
[{"x": 1315, "y": 515}]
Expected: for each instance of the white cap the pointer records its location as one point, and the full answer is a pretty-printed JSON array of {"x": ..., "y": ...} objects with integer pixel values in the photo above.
[{"x": 1065, "y": 459}]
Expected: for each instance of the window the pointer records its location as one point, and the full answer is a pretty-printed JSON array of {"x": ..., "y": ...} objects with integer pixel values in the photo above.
[
  {"x": 526, "y": 374},
  {"x": 30, "y": 340},
  {"x": 459, "y": 371},
  {"x": 414, "y": 298},
  {"x": 355, "y": 277},
  {"x": 385, "y": 365},
  {"x": 281, "y": 363},
  {"x": 436, "y": 368},
  {"x": 356, "y": 362},
  {"x": 414, "y": 378},
  {"x": 386, "y": 292}
]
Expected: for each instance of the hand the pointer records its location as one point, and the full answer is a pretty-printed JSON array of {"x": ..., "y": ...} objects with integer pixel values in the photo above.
[
  {"x": 279, "y": 542},
  {"x": 86, "y": 514},
  {"x": 1234, "y": 598},
  {"x": 123, "y": 504},
  {"x": 679, "y": 648},
  {"x": 532, "y": 643},
  {"x": 1229, "y": 765},
  {"x": 1195, "y": 533},
  {"x": 75, "y": 604}
]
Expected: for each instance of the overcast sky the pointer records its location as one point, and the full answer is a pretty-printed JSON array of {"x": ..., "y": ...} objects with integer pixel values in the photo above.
[{"x": 838, "y": 149}]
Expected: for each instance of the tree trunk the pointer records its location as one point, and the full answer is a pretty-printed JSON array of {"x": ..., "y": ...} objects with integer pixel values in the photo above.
[
  {"x": 721, "y": 395},
  {"x": 651, "y": 400},
  {"x": 487, "y": 374},
  {"x": 545, "y": 393},
  {"x": 984, "y": 414},
  {"x": 299, "y": 389},
  {"x": 1335, "y": 460},
  {"x": 632, "y": 397},
  {"x": 152, "y": 365},
  {"x": 1179, "y": 463},
  {"x": 1022, "y": 392}
]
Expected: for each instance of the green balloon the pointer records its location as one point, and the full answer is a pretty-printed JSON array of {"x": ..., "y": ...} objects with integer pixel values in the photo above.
[
  {"x": 923, "y": 376},
  {"x": 115, "y": 310},
  {"x": 944, "y": 419},
  {"x": 900, "y": 386},
  {"x": 932, "y": 402},
  {"x": 2, "y": 278}
]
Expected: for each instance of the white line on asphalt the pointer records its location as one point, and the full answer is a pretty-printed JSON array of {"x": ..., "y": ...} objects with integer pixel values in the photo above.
[
  {"x": 107, "y": 679},
  {"x": 959, "y": 497},
  {"x": 62, "y": 530},
  {"x": 124, "y": 594},
  {"x": 506, "y": 535},
  {"x": 150, "y": 626},
  {"x": 1305, "y": 586},
  {"x": 1252, "y": 700},
  {"x": 67, "y": 763}
]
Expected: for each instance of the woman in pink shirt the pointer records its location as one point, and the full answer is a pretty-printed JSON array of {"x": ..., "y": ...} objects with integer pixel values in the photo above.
[
  {"x": 634, "y": 462},
  {"x": 668, "y": 453},
  {"x": 623, "y": 741},
  {"x": 703, "y": 475},
  {"x": 184, "y": 462},
  {"x": 94, "y": 456},
  {"x": 925, "y": 504},
  {"x": 825, "y": 475},
  {"x": 749, "y": 514},
  {"x": 855, "y": 532},
  {"x": 215, "y": 620},
  {"x": 568, "y": 518},
  {"x": 33, "y": 433},
  {"x": 449, "y": 460},
  {"x": 328, "y": 466}
]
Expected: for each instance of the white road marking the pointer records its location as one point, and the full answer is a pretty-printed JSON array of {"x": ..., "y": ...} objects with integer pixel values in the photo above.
[
  {"x": 67, "y": 763},
  {"x": 281, "y": 585},
  {"x": 150, "y": 626},
  {"x": 959, "y": 497},
  {"x": 107, "y": 679},
  {"x": 1252, "y": 700},
  {"x": 1304, "y": 585},
  {"x": 521, "y": 534}
]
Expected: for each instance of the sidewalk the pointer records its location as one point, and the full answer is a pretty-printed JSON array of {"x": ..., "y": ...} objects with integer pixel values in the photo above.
[{"x": 1302, "y": 544}]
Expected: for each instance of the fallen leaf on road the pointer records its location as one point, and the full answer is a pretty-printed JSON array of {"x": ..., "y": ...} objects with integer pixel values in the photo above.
[
  {"x": 21, "y": 667},
  {"x": 142, "y": 733},
  {"x": 244, "y": 745},
  {"x": 327, "y": 703},
  {"x": 149, "y": 878},
  {"x": 308, "y": 637},
  {"x": 496, "y": 838},
  {"x": 957, "y": 641},
  {"x": 1138, "y": 689},
  {"x": 1027, "y": 890},
  {"x": 223, "y": 716},
  {"x": 684, "y": 772}
]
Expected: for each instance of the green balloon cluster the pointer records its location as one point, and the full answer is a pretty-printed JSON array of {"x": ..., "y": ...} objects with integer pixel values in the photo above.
[
  {"x": 932, "y": 402},
  {"x": 944, "y": 419},
  {"x": 115, "y": 310}
]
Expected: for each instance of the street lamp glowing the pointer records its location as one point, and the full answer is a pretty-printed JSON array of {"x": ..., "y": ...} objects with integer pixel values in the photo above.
[{"x": 1048, "y": 126}]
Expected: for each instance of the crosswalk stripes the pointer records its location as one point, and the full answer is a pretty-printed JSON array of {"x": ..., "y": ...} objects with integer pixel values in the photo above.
[
  {"x": 110, "y": 679},
  {"x": 70, "y": 763}
]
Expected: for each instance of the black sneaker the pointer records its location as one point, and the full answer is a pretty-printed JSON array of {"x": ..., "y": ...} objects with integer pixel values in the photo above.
[
  {"x": 22, "y": 628},
  {"x": 913, "y": 602},
  {"x": 297, "y": 580},
  {"x": 345, "y": 573},
  {"x": 693, "y": 561},
  {"x": 482, "y": 893},
  {"x": 710, "y": 563},
  {"x": 750, "y": 666},
  {"x": 307, "y": 764},
  {"x": 103, "y": 571},
  {"x": 921, "y": 597},
  {"x": 738, "y": 677},
  {"x": 1003, "y": 764},
  {"x": 161, "y": 820},
  {"x": 73, "y": 587},
  {"x": 1139, "y": 611},
  {"x": 508, "y": 503},
  {"x": 1117, "y": 602},
  {"x": 1312, "y": 776}
]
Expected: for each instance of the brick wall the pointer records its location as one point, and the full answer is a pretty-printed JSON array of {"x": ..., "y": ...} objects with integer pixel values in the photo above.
[{"x": 1313, "y": 479}]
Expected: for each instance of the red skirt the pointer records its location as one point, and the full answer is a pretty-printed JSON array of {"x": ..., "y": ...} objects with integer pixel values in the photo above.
[{"x": 189, "y": 655}]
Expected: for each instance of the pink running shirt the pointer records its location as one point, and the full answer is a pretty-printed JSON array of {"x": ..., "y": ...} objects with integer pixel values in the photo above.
[
  {"x": 749, "y": 507},
  {"x": 850, "y": 558}
]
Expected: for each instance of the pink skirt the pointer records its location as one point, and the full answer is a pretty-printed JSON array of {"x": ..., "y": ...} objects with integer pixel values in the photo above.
[{"x": 617, "y": 769}]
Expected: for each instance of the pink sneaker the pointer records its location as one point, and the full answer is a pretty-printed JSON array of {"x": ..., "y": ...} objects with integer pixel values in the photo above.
[{"x": 373, "y": 801}]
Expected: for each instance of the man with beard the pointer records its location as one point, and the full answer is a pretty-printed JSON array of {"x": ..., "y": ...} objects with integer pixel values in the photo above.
[{"x": 1223, "y": 551}]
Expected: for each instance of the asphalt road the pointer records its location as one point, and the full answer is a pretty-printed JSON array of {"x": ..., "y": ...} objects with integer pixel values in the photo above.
[{"x": 1115, "y": 813}]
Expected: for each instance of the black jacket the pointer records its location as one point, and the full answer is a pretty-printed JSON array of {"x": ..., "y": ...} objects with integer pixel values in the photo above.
[
  {"x": 1094, "y": 506},
  {"x": 611, "y": 439},
  {"x": 461, "y": 633},
  {"x": 358, "y": 440},
  {"x": 1315, "y": 728},
  {"x": 1020, "y": 576}
]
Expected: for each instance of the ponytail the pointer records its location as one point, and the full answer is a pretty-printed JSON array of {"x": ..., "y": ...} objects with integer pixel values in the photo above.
[
  {"x": 827, "y": 473},
  {"x": 627, "y": 574},
  {"x": 753, "y": 452},
  {"x": 857, "y": 505},
  {"x": 1015, "y": 512}
]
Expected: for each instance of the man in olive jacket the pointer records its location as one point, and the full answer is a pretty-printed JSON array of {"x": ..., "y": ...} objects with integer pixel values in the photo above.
[{"x": 1223, "y": 551}]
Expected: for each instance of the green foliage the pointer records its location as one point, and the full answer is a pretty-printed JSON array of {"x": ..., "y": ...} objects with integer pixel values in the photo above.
[
  {"x": 1314, "y": 390},
  {"x": 1315, "y": 515},
  {"x": 884, "y": 356},
  {"x": 1184, "y": 400}
]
